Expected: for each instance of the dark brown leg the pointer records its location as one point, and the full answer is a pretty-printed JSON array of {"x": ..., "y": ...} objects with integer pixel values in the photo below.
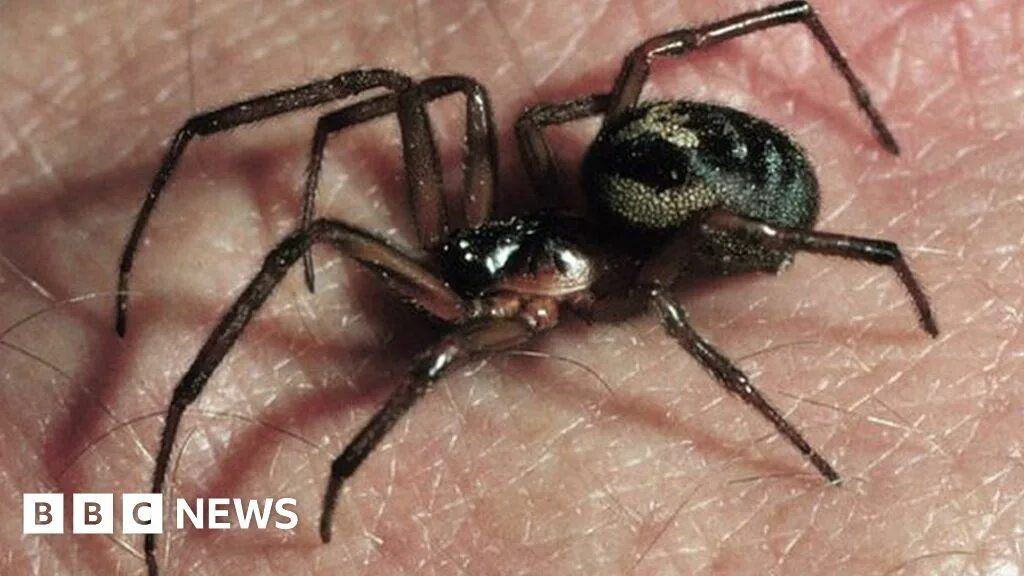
[
  {"x": 866, "y": 249},
  {"x": 673, "y": 317},
  {"x": 423, "y": 174},
  {"x": 679, "y": 42},
  {"x": 472, "y": 340},
  {"x": 480, "y": 170},
  {"x": 536, "y": 153},
  {"x": 414, "y": 282},
  {"x": 533, "y": 146},
  {"x": 228, "y": 117},
  {"x": 631, "y": 293}
]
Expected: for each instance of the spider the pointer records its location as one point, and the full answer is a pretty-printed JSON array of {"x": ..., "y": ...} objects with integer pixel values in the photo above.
[{"x": 677, "y": 188}]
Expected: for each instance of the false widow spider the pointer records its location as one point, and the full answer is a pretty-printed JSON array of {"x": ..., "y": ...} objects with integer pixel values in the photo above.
[{"x": 676, "y": 187}]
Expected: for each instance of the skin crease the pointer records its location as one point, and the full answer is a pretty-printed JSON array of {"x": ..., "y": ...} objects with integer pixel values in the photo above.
[{"x": 514, "y": 465}]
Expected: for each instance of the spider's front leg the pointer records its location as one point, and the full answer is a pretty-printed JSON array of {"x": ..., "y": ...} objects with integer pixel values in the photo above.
[
  {"x": 404, "y": 274},
  {"x": 222, "y": 119}
]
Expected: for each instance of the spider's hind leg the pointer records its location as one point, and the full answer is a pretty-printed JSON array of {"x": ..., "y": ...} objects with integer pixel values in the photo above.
[
  {"x": 871, "y": 250},
  {"x": 674, "y": 318},
  {"x": 637, "y": 65}
]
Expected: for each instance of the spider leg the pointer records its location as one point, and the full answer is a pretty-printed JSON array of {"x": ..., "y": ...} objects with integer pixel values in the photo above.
[
  {"x": 469, "y": 341},
  {"x": 480, "y": 168},
  {"x": 423, "y": 174},
  {"x": 674, "y": 318},
  {"x": 871, "y": 250},
  {"x": 660, "y": 270},
  {"x": 404, "y": 274},
  {"x": 533, "y": 146},
  {"x": 536, "y": 153},
  {"x": 637, "y": 65},
  {"x": 232, "y": 116}
]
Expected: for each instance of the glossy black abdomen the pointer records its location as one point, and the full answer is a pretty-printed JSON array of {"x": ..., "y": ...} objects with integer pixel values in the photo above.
[{"x": 661, "y": 165}]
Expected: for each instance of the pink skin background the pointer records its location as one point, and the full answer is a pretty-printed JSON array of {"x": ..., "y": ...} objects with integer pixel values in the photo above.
[{"x": 513, "y": 465}]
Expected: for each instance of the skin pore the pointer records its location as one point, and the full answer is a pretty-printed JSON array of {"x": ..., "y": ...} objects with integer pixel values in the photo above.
[{"x": 640, "y": 463}]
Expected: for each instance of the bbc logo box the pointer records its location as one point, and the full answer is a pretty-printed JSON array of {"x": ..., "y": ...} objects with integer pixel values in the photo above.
[
  {"x": 43, "y": 514},
  {"x": 92, "y": 513}
]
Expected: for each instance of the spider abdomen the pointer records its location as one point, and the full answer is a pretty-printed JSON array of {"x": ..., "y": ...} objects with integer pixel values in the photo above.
[{"x": 659, "y": 165}]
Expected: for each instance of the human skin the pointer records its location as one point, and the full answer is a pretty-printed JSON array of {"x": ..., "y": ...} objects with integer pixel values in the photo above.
[{"x": 512, "y": 465}]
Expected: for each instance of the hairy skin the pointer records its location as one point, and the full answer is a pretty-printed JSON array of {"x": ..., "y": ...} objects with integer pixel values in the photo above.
[{"x": 515, "y": 465}]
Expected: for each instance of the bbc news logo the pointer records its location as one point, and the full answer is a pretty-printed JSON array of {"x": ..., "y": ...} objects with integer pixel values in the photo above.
[{"x": 144, "y": 513}]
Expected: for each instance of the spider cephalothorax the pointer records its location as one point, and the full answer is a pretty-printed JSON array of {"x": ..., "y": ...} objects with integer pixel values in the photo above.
[
  {"x": 539, "y": 254},
  {"x": 674, "y": 186}
]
